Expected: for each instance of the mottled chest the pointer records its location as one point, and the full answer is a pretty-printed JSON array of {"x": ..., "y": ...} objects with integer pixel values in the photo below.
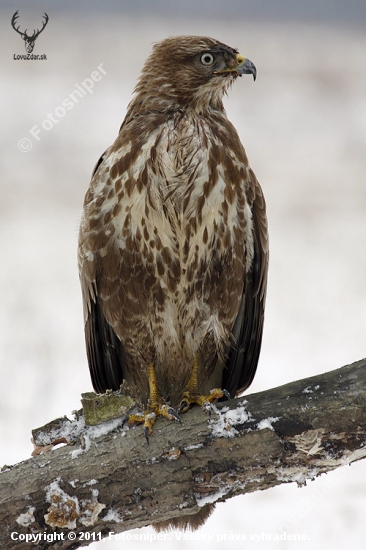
[{"x": 177, "y": 194}]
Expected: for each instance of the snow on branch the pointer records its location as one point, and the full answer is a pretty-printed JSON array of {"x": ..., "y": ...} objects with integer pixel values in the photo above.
[{"x": 107, "y": 478}]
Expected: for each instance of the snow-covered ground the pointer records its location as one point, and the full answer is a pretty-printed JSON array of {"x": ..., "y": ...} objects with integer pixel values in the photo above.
[{"x": 303, "y": 123}]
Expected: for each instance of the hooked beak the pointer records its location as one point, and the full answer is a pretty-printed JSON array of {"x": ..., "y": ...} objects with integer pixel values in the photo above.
[
  {"x": 242, "y": 66},
  {"x": 245, "y": 66}
]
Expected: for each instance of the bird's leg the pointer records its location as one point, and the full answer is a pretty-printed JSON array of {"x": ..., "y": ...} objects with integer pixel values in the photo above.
[
  {"x": 156, "y": 407},
  {"x": 192, "y": 395}
]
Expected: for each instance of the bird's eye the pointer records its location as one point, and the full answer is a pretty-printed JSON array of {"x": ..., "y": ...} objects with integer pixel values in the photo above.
[{"x": 207, "y": 59}]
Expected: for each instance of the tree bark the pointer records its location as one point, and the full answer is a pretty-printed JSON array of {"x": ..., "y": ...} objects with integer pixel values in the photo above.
[{"x": 118, "y": 482}]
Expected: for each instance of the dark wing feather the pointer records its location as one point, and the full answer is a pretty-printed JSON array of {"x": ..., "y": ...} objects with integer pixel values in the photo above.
[
  {"x": 103, "y": 347},
  {"x": 101, "y": 159},
  {"x": 243, "y": 357},
  {"x": 104, "y": 351}
]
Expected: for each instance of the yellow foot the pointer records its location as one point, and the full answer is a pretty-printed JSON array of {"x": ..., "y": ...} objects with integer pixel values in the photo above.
[
  {"x": 192, "y": 396},
  {"x": 148, "y": 417},
  {"x": 190, "y": 399},
  {"x": 155, "y": 408}
]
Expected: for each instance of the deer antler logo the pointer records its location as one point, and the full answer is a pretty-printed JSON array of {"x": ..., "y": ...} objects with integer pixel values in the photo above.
[{"x": 28, "y": 40}]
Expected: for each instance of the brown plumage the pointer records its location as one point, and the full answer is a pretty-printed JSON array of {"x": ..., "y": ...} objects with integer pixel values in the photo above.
[{"x": 173, "y": 248}]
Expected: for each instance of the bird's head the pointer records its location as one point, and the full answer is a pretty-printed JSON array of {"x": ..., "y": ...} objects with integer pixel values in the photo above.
[{"x": 190, "y": 71}]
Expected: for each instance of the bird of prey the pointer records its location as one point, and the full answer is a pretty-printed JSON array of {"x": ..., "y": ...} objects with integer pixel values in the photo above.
[{"x": 173, "y": 244}]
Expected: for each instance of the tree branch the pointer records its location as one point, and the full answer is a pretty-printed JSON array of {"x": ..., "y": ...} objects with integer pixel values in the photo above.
[{"x": 291, "y": 433}]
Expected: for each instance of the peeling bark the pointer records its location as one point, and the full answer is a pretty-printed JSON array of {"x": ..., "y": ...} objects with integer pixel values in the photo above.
[{"x": 117, "y": 482}]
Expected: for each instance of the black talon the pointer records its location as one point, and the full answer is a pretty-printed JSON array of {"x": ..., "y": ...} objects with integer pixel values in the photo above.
[
  {"x": 182, "y": 406},
  {"x": 146, "y": 433},
  {"x": 175, "y": 414},
  {"x": 227, "y": 394}
]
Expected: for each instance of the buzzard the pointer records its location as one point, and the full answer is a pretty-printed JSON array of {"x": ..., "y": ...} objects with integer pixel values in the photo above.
[{"x": 173, "y": 245}]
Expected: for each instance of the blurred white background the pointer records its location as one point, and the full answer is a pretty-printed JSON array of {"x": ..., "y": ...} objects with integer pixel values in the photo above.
[{"x": 303, "y": 124}]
